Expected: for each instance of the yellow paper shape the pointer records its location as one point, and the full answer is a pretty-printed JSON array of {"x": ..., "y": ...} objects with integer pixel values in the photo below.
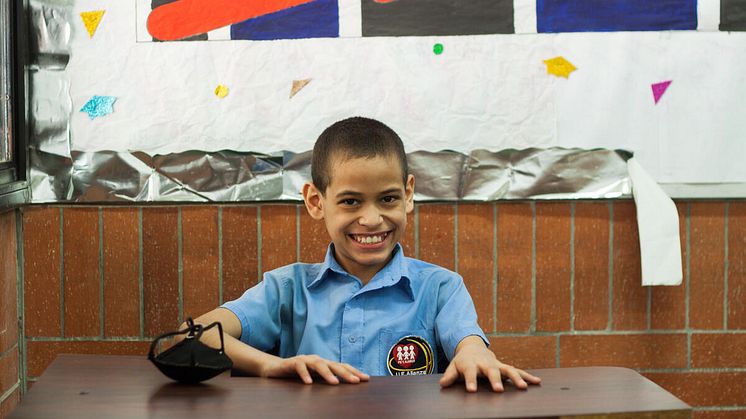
[
  {"x": 221, "y": 91},
  {"x": 559, "y": 66},
  {"x": 298, "y": 85},
  {"x": 91, "y": 20}
]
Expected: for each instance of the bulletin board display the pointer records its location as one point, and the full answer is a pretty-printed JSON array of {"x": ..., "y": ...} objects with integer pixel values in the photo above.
[{"x": 662, "y": 79}]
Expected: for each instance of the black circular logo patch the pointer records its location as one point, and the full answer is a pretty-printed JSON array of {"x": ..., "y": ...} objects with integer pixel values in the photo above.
[{"x": 411, "y": 355}]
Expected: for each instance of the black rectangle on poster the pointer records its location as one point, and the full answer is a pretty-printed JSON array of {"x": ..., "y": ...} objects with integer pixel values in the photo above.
[
  {"x": 733, "y": 15},
  {"x": 436, "y": 17}
]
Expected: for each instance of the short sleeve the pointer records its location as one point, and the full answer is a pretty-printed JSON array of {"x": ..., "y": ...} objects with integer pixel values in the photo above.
[
  {"x": 259, "y": 309},
  {"x": 456, "y": 317}
]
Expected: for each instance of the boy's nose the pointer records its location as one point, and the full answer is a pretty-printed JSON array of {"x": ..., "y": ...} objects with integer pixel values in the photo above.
[{"x": 370, "y": 216}]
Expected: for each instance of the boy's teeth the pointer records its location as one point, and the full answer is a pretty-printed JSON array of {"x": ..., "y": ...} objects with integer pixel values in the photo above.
[{"x": 369, "y": 239}]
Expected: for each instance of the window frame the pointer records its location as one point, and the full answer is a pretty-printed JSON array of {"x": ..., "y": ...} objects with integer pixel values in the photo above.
[{"x": 13, "y": 174}]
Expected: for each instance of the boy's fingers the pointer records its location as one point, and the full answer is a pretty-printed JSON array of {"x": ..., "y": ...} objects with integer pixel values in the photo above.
[
  {"x": 530, "y": 377},
  {"x": 515, "y": 377},
  {"x": 322, "y": 368},
  {"x": 341, "y": 370},
  {"x": 359, "y": 374},
  {"x": 470, "y": 378},
  {"x": 493, "y": 374},
  {"x": 302, "y": 371},
  {"x": 449, "y": 376}
]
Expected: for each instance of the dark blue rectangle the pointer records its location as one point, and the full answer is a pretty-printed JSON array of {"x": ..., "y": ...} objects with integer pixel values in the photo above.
[
  {"x": 615, "y": 15},
  {"x": 316, "y": 19}
]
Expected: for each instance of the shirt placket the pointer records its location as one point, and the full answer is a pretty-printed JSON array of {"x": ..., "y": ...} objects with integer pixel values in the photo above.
[{"x": 351, "y": 344}]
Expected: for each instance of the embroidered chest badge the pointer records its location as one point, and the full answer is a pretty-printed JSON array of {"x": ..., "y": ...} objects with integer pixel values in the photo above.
[{"x": 411, "y": 355}]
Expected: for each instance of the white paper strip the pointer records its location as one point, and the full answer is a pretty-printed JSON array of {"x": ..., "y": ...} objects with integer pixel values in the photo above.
[
  {"x": 708, "y": 15},
  {"x": 143, "y": 10},
  {"x": 220, "y": 34},
  {"x": 658, "y": 225},
  {"x": 350, "y": 19},
  {"x": 524, "y": 16}
]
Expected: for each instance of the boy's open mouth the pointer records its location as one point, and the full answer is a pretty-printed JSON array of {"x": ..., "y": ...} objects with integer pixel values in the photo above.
[{"x": 369, "y": 238}]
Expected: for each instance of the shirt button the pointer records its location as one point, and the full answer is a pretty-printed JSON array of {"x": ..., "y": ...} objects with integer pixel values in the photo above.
[{"x": 351, "y": 339}]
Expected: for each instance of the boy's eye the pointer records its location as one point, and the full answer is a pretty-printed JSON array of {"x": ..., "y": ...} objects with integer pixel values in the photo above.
[
  {"x": 389, "y": 199},
  {"x": 349, "y": 201}
]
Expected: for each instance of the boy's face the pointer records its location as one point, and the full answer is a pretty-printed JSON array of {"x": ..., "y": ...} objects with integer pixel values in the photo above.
[{"x": 365, "y": 210}]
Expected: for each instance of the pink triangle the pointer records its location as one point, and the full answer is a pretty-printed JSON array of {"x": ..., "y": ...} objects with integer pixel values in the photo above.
[{"x": 659, "y": 89}]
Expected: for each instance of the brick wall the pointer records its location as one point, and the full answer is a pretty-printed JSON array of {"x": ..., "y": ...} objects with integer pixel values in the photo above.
[
  {"x": 556, "y": 284},
  {"x": 10, "y": 386}
]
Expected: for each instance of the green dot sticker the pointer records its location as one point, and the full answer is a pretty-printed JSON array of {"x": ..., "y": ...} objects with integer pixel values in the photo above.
[{"x": 438, "y": 49}]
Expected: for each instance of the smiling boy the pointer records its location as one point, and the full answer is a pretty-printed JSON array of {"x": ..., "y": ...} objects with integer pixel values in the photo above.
[{"x": 367, "y": 309}]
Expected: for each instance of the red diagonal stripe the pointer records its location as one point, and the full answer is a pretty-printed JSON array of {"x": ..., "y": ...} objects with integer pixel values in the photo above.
[{"x": 185, "y": 18}]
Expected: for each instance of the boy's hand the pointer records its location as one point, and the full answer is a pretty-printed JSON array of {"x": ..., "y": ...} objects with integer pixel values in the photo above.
[
  {"x": 474, "y": 359},
  {"x": 303, "y": 365}
]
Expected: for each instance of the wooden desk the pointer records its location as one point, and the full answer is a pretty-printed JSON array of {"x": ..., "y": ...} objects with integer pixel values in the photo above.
[{"x": 93, "y": 386}]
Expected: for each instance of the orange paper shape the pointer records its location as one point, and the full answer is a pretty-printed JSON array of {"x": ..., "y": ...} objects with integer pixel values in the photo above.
[
  {"x": 184, "y": 18},
  {"x": 298, "y": 85},
  {"x": 91, "y": 20},
  {"x": 560, "y": 67}
]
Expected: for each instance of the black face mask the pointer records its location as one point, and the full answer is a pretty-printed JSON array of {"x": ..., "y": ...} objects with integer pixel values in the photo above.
[{"x": 191, "y": 361}]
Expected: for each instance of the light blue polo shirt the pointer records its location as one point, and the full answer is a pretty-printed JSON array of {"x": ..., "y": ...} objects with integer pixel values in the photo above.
[{"x": 321, "y": 309}]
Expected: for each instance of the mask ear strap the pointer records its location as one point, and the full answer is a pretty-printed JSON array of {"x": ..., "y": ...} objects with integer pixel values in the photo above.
[
  {"x": 220, "y": 332},
  {"x": 151, "y": 352}
]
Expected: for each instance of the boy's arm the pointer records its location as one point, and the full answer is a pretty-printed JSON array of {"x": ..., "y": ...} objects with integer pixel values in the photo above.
[
  {"x": 258, "y": 363},
  {"x": 473, "y": 359}
]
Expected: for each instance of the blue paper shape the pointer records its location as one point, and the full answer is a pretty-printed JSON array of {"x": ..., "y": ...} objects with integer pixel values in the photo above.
[
  {"x": 99, "y": 106},
  {"x": 317, "y": 19},
  {"x": 615, "y": 15}
]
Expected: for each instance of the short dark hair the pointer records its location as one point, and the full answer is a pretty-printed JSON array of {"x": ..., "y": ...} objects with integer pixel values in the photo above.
[{"x": 353, "y": 138}]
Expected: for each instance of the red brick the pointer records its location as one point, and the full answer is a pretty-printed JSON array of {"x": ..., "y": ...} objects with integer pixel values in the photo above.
[
  {"x": 82, "y": 275},
  {"x": 525, "y": 352},
  {"x": 667, "y": 304},
  {"x": 199, "y": 235},
  {"x": 407, "y": 240},
  {"x": 279, "y": 236},
  {"x": 437, "y": 234},
  {"x": 41, "y": 270},
  {"x": 706, "y": 295},
  {"x": 8, "y": 370},
  {"x": 630, "y": 298},
  {"x": 42, "y": 353},
  {"x": 9, "y": 403},
  {"x": 719, "y": 414},
  {"x": 121, "y": 271},
  {"x": 591, "y": 306},
  {"x": 475, "y": 258},
  {"x": 704, "y": 388},
  {"x": 160, "y": 269},
  {"x": 737, "y": 265},
  {"x": 8, "y": 279},
  {"x": 240, "y": 255},
  {"x": 552, "y": 266},
  {"x": 314, "y": 240},
  {"x": 514, "y": 255},
  {"x": 631, "y": 351},
  {"x": 718, "y": 350}
]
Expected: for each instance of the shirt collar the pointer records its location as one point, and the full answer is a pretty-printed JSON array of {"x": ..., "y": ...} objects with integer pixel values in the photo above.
[{"x": 396, "y": 272}]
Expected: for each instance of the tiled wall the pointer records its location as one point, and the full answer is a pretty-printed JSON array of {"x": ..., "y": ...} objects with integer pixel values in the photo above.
[
  {"x": 10, "y": 385},
  {"x": 556, "y": 284}
]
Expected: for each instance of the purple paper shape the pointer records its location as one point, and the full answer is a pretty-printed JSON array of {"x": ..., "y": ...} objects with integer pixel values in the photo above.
[{"x": 659, "y": 89}]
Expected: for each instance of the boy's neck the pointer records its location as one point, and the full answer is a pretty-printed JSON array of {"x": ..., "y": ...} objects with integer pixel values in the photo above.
[{"x": 363, "y": 273}]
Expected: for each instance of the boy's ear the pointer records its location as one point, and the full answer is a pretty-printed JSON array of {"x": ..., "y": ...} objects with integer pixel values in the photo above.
[
  {"x": 312, "y": 198},
  {"x": 409, "y": 193}
]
